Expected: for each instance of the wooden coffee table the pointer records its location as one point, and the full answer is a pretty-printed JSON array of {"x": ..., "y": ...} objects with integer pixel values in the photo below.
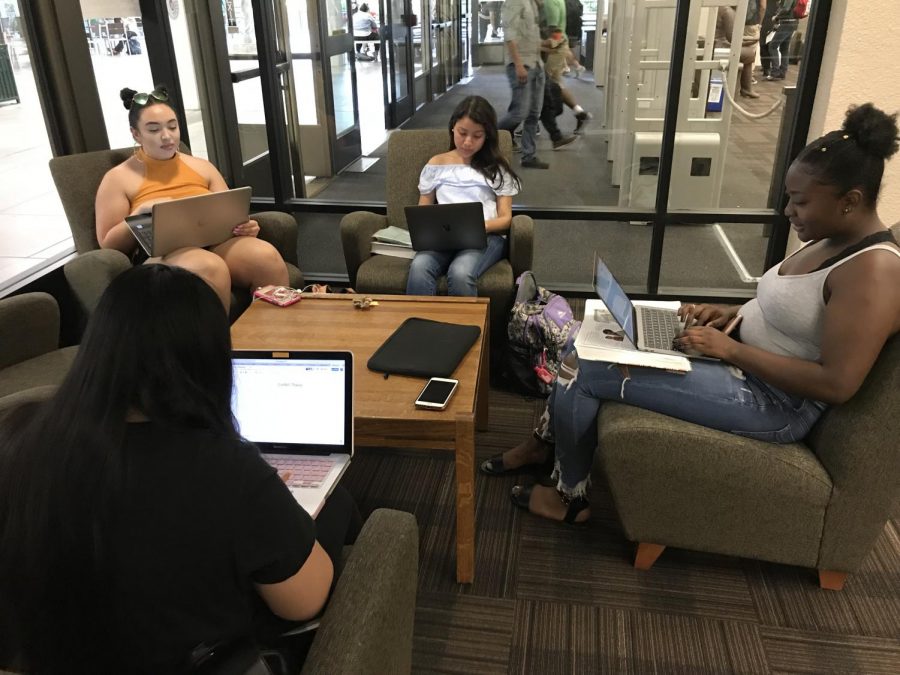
[{"x": 384, "y": 410}]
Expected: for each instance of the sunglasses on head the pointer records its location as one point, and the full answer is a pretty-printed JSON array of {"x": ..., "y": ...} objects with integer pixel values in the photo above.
[{"x": 158, "y": 94}]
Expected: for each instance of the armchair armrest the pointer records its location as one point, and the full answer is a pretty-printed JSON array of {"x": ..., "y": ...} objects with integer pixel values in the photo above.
[
  {"x": 29, "y": 327},
  {"x": 521, "y": 244},
  {"x": 357, "y": 229},
  {"x": 280, "y": 230},
  {"x": 90, "y": 273},
  {"x": 368, "y": 623}
]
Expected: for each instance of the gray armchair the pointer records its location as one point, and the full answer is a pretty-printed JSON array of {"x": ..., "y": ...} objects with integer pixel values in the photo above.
[
  {"x": 77, "y": 178},
  {"x": 821, "y": 503},
  {"x": 31, "y": 362},
  {"x": 408, "y": 152},
  {"x": 368, "y": 623}
]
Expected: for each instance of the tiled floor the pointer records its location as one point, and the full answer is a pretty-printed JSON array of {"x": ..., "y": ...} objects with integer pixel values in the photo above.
[{"x": 34, "y": 234}]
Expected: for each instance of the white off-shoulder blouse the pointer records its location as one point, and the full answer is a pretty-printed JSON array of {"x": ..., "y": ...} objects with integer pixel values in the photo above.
[{"x": 456, "y": 183}]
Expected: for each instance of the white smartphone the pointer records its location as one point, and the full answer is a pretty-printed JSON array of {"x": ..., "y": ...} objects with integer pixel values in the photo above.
[{"x": 436, "y": 393}]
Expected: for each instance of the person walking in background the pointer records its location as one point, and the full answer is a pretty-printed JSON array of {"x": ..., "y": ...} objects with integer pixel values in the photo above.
[
  {"x": 750, "y": 39},
  {"x": 525, "y": 72},
  {"x": 553, "y": 107},
  {"x": 785, "y": 22},
  {"x": 556, "y": 48}
]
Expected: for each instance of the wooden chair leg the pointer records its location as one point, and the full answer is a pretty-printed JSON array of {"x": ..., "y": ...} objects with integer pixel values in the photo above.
[
  {"x": 647, "y": 554},
  {"x": 832, "y": 581}
]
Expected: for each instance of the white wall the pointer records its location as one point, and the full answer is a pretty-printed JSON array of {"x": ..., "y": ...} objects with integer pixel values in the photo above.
[{"x": 862, "y": 64}]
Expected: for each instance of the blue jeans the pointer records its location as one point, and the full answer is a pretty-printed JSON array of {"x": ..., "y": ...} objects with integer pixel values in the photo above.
[
  {"x": 714, "y": 394},
  {"x": 461, "y": 267},
  {"x": 779, "y": 46},
  {"x": 526, "y": 103}
]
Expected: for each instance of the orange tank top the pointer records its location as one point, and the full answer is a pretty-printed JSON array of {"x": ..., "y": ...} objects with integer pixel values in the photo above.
[{"x": 170, "y": 178}]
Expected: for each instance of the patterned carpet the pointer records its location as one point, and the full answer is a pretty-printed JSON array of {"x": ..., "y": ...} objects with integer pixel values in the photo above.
[{"x": 549, "y": 598}]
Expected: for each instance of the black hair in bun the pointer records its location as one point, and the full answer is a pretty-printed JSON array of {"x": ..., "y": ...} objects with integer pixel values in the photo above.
[
  {"x": 854, "y": 156},
  {"x": 873, "y": 130},
  {"x": 160, "y": 94},
  {"x": 127, "y": 96}
]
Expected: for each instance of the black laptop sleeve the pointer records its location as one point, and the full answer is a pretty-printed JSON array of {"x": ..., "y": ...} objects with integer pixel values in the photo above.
[{"x": 424, "y": 348}]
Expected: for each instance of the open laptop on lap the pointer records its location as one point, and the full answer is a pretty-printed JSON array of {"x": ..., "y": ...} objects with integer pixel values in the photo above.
[
  {"x": 447, "y": 227},
  {"x": 204, "y": 220},
  {"x": 650, "y": 329},
  {"x": 297, "y": 407}
]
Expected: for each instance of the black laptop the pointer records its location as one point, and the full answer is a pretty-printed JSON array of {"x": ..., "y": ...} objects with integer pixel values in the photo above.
[{"x": 447, "y": 227}]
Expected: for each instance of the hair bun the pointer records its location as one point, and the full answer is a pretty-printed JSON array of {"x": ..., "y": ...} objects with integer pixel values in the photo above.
[
  {"x": 873, "y": 130},
  {"x": 127, "y": 96}
]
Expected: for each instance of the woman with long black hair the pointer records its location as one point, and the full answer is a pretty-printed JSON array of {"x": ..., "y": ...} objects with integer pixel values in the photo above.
[{"x": 135, "y": 523}]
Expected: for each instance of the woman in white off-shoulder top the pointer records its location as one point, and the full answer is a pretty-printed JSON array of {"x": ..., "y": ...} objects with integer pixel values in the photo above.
[{"x": 472, "y": 170}]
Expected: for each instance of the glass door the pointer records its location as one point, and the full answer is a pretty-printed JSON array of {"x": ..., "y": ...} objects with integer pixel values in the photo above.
[
  {"x": 400, "y": 21},
  {"x": 338, "y": 75}
]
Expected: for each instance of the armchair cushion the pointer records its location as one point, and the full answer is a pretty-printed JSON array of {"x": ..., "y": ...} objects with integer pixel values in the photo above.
[
  {"x": 368, "y": 624},
  {"x": 29, "y": 341}
]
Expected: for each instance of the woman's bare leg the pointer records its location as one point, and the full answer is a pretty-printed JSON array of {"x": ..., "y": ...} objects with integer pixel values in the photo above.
[
  {"x": 252, "y": 262},
  {"x": 206, "y": 265},
  {"x": 530, "y": 451}
]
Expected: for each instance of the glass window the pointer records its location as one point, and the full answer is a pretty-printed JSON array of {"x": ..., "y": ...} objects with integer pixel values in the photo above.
[
  {"x": 740, "y": 62},
  {"x": 119, "y": 58},
  {"x": 33, "y": 229}
]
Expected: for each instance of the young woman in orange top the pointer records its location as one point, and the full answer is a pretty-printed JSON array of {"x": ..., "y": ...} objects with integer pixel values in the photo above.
[{"x": 158, "y": 172}]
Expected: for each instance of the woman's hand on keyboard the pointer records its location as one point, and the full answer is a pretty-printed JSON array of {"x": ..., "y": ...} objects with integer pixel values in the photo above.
[
  {"x": 707, "y": 315},
  {"x": 707, "y": 341}
]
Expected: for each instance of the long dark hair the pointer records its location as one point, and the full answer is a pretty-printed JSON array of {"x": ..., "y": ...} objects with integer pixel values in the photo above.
[
  {"x": 158, "y": 344},
  {"x": 854, "y": 156},
  {"x": 135, "y": 109},
  {"x": 487, "y": 161}
]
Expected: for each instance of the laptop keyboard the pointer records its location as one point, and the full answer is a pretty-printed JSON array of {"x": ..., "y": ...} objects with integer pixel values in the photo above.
[
  {"x": 145, "y": 234},
  {"x": 659, "y": 328},
  {"x": 303, "y": 470}
]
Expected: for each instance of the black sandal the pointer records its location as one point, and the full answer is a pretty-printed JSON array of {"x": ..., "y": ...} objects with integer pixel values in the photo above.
[{"x": 521, "y": 497}]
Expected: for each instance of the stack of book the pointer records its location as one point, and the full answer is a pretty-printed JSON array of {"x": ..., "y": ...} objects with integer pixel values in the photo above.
[{"x": 393, "y": 241}]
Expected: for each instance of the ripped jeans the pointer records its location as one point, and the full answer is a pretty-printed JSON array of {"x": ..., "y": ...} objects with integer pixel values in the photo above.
[{"x": 714, "y": 394}]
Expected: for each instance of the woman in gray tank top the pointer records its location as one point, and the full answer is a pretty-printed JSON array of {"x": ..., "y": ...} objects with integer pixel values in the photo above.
[{"x": 790, "y": 360}]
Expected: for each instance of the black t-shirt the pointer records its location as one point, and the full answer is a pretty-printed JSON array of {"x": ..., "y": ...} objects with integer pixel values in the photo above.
[{"x": 203, "y": 518}]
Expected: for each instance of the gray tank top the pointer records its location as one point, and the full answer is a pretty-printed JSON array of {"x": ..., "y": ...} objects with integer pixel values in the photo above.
[{"x": 787, "y": 314}]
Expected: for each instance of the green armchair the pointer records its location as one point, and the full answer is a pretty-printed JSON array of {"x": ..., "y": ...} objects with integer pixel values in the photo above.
[
  {"x": 368, "y": 623},
  {"x": 77, "y": 178},
  {"x": 408, "y": 152},
  {"x": 820, "y": 503},
  {"x": 31, "y": 362}
]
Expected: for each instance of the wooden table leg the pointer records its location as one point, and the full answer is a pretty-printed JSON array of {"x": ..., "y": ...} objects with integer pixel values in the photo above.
[
  {"x": 483, "y": 390},
  {"x": 465, "y": 499}
]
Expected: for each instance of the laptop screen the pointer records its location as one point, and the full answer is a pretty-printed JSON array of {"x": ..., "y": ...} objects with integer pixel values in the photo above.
[
  {"x": 294, "y": 401},
  {"x": 615, "y": 299}
]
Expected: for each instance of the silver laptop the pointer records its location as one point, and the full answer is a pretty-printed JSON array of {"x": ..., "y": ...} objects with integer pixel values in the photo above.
[
  {"x": 650, "y": 329},
  {"x": 204, "y": 220},
  {"x": 297, "y": 407},
  {"x": 447, "y": 227}
]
